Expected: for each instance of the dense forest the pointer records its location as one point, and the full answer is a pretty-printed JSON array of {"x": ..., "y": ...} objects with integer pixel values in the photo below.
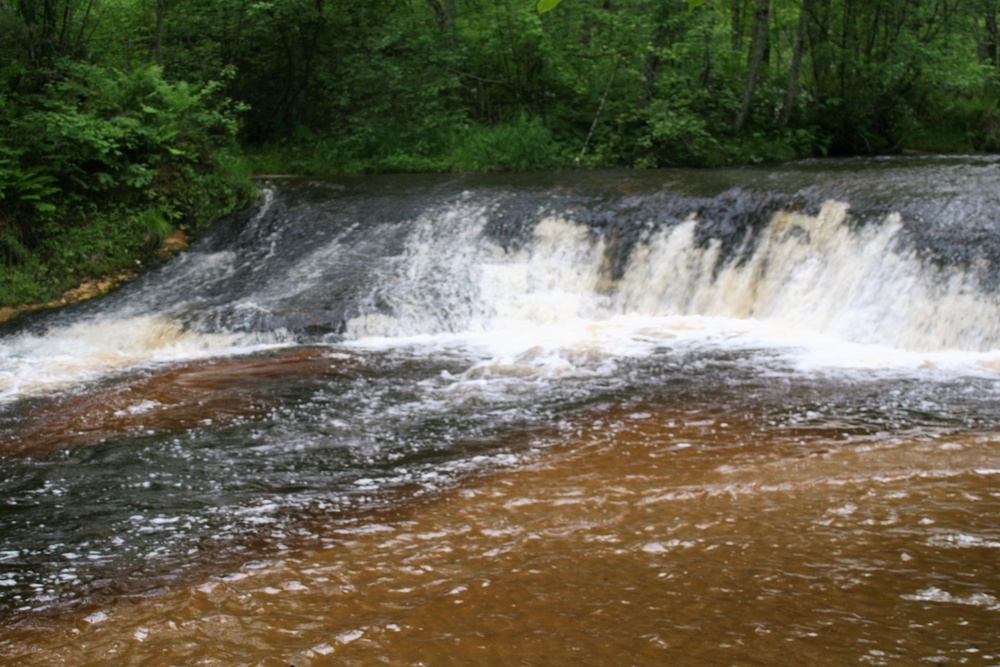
[{"x": 121, "y": 119}]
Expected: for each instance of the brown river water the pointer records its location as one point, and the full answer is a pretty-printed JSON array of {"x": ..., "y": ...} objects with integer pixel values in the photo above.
[
  {"x": 538, "y": 442},
  {"x": 654, "y": 535}
]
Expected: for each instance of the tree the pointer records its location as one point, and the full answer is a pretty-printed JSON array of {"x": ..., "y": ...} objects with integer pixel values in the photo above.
[
  {"x": 758, "y": 53},
  {"x": 791, "y": 92}
]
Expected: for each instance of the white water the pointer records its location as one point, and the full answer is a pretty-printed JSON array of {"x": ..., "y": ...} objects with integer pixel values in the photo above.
[
  {"x": 66, "y": 356},
  {"x": 827, "y": 293}
]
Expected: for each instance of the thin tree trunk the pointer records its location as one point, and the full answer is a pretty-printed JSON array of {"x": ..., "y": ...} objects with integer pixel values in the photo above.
[
  {"x": 15, "y": 20},
  {"x": 819, "y": 38},
  {"x": 160, "y": 10},
  {"x": 444, "y": 12},
  {"x": 796, "y": 66},
  {"x": 80, "y": 35},
  {"x": 600, "y": 108},
  {"x": 736, "y": 23},
  {"x": 991, "y": 46},
  {"x": 761, "y": 21}
]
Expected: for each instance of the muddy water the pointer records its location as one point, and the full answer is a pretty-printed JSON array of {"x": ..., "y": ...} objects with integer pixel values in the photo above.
[
  {"x": 647, "y": 537},
  {"x": 688, "y": 418},
  {"x": 216, "y": 392}
]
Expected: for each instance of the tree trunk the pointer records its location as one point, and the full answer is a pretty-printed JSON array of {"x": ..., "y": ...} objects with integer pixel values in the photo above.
[
  {"x": 991, "y": 42},
  {"x": 759, "y": 47},
  {"x": 160, "y": 9},
  {"x": 796, "y": 66},
  {"x": 444, "y": 12}
]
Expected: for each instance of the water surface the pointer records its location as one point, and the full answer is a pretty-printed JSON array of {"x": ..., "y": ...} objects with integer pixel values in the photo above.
[{"x": 728, "y": 417}]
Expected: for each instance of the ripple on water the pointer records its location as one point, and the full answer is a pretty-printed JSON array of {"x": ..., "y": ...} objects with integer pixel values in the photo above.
[{"x": 831, "y": 559}]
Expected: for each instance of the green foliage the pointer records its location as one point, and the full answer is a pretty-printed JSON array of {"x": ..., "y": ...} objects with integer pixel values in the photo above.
[
  {"x": 26, "y": 284},
  {"x": 98, "y": 136},
  {"x": 99, "y": 165},
  {"x": 521, "y": 145},
  {"x": 447, "y": 84}
]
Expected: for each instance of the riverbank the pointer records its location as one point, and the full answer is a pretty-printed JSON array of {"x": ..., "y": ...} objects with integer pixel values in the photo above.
[{"x": 94, "y": 287}]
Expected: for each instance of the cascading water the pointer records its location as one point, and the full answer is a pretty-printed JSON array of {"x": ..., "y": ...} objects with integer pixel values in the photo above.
[{"x": 345, "y": 350}]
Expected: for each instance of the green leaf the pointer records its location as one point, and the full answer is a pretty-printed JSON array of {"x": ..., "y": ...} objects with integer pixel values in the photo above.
[
  {"x": 695, "y": 3},
  {"x": 547, "y": 5}
]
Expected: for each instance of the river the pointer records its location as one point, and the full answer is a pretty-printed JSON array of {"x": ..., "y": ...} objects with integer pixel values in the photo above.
[{"x": 728, "y": 417}]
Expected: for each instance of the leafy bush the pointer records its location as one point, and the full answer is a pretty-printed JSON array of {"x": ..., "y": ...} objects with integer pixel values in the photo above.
[
  {"x": 523, "y": 144},
  {"x": 100, "y": 165}
]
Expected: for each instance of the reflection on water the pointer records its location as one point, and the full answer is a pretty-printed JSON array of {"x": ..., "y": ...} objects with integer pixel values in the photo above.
[{"x": 648, "y": 537}]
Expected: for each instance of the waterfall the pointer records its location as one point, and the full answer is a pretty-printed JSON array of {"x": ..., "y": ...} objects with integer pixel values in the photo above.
[
  {"x": 821, "y": 273},
  {"x": 872, "y": 257}
]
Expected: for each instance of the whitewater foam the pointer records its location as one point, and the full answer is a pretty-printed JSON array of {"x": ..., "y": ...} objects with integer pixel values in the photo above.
[{"x": 66, "y": 356}]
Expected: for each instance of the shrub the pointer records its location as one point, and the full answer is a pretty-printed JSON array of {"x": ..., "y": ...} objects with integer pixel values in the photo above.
[
  {"x": 522, "y": 144},
  {"x": 97, "y": 167}
]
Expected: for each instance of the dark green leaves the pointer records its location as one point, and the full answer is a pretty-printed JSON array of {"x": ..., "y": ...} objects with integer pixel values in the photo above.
[{"x": 547, "y": 5}]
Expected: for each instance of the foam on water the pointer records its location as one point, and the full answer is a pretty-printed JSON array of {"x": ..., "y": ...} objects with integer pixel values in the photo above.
[
  {"x": 830, "y": 293},
  {"x": 934, "y": 594},
  {"x": 65, "y": 356}
]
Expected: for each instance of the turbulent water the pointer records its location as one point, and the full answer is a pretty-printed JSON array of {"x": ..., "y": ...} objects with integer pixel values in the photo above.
[{"x": 721, "y": 417}]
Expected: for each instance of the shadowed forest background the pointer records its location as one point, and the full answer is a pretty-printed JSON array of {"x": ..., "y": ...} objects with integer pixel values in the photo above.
[{"x": 122, "y": 119}]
